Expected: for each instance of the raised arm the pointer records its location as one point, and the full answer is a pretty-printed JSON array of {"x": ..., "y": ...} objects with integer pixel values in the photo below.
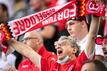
[
  {"x": 26, "y": 51},
  {"x": 94, "y": 27}
]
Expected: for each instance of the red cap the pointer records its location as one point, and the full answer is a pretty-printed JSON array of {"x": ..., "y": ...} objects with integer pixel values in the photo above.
[{"x": 100, "y": 40}]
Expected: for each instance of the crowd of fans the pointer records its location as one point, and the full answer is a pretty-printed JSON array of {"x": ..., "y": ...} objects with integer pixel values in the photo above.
[{"x": 68, "y": 47}]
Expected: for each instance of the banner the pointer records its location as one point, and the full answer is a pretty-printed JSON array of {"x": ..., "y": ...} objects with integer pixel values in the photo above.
[
  {"x": 40, "y": 19},
  {"x": 56, "y": 14}
]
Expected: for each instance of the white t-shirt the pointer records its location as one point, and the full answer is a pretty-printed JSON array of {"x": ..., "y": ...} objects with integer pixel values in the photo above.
[
  {"x": 6, "y": 62},
  {"x": 98, "y": 48}
]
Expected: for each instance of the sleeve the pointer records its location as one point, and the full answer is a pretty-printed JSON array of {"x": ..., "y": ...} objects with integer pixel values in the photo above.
[
  {"x": 83, "y": 57},
  {"x": 91, "y": 56},
  {"x": 85, "y": 49},
  {"x": 46, "y": 64}
]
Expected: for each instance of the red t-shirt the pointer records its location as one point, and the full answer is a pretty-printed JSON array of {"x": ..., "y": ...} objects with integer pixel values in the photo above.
[
  {"x": 75, "y": 65},
  {"x": 27, "y": 65}
]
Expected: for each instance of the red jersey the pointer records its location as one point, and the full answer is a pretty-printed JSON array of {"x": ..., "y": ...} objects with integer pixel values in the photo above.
[
  {"x": 27, "y": 65},
  {"x": 75, "y": 65}
]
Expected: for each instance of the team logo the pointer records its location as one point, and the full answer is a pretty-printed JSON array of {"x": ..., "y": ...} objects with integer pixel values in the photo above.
[{"x": 92, "y": 7}]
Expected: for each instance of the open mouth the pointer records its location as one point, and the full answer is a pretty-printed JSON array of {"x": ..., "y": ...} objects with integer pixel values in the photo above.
[{"x": 59, "y": 52}]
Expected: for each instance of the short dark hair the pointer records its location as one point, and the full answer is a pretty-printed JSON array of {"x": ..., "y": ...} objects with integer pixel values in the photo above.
[{"x": 99, "y": 66}]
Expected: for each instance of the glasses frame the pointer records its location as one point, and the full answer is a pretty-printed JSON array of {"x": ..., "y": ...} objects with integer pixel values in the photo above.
[{"x": 28, "y": 38}]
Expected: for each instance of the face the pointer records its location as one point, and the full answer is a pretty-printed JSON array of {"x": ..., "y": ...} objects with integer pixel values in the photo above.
[
  {"x": 105, "y": 48},
  {"x": 35, "y": 4},
  {"x": 88, "y": 67},
  {"x": 64, "y": 48},
  {"x": 48, "y": 32},
  {"x": 74, "y": 28},
  {"x": 31, "y": 40},
  {"x": 105, "y": 44}
]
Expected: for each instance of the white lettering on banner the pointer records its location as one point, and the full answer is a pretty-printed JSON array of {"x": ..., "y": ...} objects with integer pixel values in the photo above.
[
  {"x": 73, "y": 11},
  {"x": 59, "y": 16},
  {"x": 55, "y": 14},
  {"x": 67, "y": 13},
  {"x": 22, "y": 25}
]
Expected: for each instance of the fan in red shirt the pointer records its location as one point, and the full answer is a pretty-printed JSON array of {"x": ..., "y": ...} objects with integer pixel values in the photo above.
[
  {"x": 27, "y": 65},
  {"x": 67, "y": 51},
  {"x": 30, "y": 39},
  {"x": 34, "y": 40}
]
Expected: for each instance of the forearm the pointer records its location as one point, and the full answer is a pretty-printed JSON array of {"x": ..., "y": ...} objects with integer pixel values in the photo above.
[
  {"x": 94, "y": 27},
  {"x": 26, "y": 51}
]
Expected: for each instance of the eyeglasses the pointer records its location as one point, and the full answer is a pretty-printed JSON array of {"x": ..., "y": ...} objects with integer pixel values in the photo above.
[
  {"x": 28, "y": 38},
  {"x": 59, "y": 44},
  {"x": 63, "y": 43}
]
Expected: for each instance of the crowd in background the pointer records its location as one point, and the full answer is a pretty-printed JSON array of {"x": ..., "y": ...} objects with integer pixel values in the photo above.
[{"x": 13, "y": 60}]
